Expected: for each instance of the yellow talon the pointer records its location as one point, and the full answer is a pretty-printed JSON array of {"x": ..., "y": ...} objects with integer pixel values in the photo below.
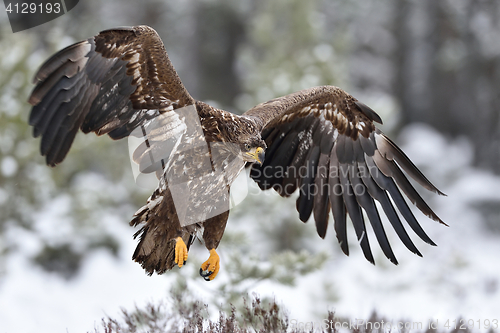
[
  {"x": 210, "y": 268},
  {"x": 181, "y": 252}
]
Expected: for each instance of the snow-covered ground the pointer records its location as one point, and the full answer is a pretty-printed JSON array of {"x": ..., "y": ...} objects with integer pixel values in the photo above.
[{"x": 459, "y": 278}]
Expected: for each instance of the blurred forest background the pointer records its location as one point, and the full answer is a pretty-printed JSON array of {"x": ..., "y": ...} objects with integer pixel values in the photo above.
[{"x": 433, "y": 62}]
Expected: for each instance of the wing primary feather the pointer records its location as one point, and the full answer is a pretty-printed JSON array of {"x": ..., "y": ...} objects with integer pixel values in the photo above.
[
  {"x": 337, "y": 202},
  {"x": 259, "y": 172},
  {"x": 388, "y": 184},
  {"x": 366, "y": 202},
  {"x": 368, "y": 144},
  {"x": 355, "y": 213},
  {"x": 273, "y": 148},
  {"x": 321, "y": 204},
  {"x": 60, "y": 108},
  {"x": 381, "y": 196},
  {"x": 391, "y": 151},
  {"x": 65, "y": 132},
  {"x": 341, "y": 148},
  {"x": 291, "y": 180},
  {"x": 67, "y": 70},
  {"x": 307, "y": 183},
  {"x": 306, "y": 199},
  {"x": 43, "y": 112},
  {"x": 357, "y": 150},
  {"x": 391, "y": 170},
  {"x": 63, "y": 142},
  {"x": 282, "y": 160},
  {"x": 72, "y": 53}
]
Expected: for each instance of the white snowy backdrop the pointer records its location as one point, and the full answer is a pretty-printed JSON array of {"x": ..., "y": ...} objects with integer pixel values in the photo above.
[{"x": 65, "y": 243}]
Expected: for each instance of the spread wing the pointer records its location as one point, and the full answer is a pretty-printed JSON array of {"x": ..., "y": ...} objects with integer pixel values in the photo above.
[
  {"x": 108, "y": 84},
  {"x": 323, "y": 143}
]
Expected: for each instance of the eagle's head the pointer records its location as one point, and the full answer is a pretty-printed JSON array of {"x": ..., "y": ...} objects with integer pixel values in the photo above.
[
  {"x": 250, "y": 141},
  {"x": 241, "y": 136},
  {"x": 253, "y": 150}
]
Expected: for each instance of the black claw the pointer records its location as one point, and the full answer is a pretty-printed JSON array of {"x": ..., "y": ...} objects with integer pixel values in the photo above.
[
  {"x": 206, "y": 275},
  {"x": 184, "y": 262}
]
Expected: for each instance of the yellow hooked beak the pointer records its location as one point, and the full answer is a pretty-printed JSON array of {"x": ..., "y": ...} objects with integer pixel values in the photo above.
[{"x": 256, "y": 155}]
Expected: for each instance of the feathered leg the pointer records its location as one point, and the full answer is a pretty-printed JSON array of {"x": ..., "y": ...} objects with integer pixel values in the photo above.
[
  {"x": 214, "y": 230},
  {"x": 162, "y": 241}
]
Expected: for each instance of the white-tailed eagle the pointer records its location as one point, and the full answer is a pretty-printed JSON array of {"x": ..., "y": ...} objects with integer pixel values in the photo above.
[{"x": 320, "y": 141}]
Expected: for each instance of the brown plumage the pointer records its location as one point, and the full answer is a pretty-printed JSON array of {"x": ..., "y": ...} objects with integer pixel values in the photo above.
[{"x": 321, "y": 142}]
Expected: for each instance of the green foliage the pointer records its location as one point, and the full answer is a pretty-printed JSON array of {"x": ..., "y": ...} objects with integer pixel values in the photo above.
[
  {"x": 15, "y": 149},
  {"x": 283, "y": 267},
  {"x": 61, "y": 259}
]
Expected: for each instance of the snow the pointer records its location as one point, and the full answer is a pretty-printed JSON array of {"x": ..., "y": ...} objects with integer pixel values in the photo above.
[
  {"x": 36, "y": 301},
  {"x": 8, "y": 166},
  {"x": 458, "y": 278}
]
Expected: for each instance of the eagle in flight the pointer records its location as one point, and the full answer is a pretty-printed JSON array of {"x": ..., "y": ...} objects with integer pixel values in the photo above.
[{"x": 320, "y": 142}]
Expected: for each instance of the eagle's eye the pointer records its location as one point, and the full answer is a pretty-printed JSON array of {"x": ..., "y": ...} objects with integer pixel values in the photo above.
[{"x": 247, "y": 146}]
